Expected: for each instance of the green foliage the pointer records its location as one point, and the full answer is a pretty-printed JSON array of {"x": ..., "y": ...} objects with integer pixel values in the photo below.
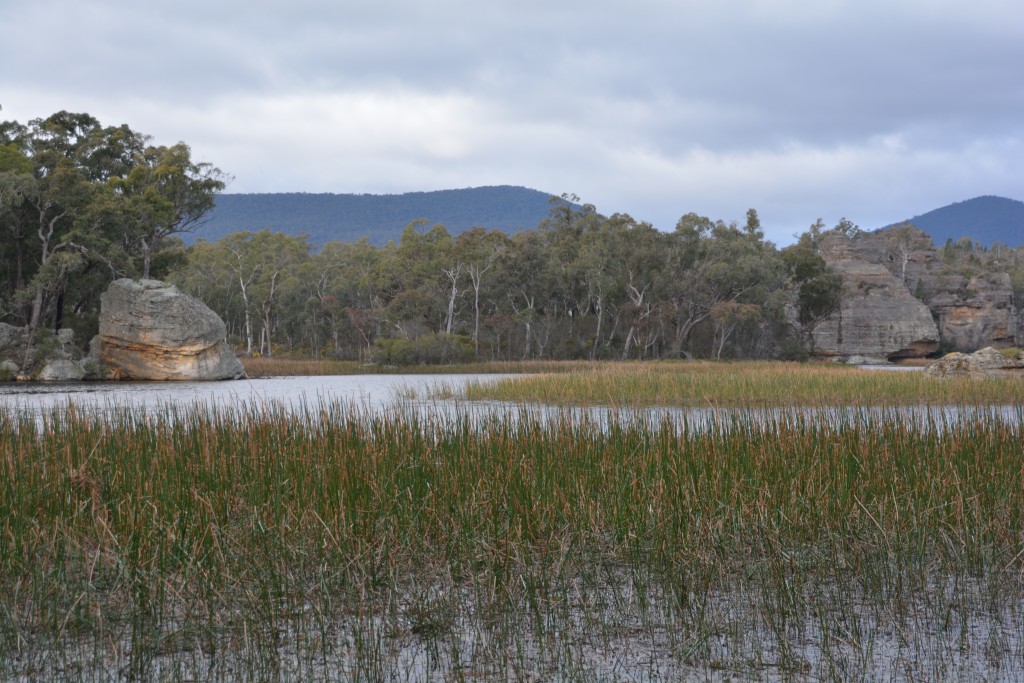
[
  {"x": 819, "y": 288},
  {"x": 430, "y": 349},
  {"x": 82, "y": 204}
]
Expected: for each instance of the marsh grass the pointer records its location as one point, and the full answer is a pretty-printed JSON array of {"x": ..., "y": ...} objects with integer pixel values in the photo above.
[
  {"x": 260, "y": 543},
  {"x": 282, "y": 367},
  {"x": 702, "y": 383}
]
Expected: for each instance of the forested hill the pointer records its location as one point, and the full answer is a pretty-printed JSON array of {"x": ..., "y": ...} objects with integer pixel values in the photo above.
[
  {"x": 379, "y": 218},
  {"x": 985, "y": 220}
]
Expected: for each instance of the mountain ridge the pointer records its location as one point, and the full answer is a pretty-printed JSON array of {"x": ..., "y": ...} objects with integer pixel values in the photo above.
[
  {"x": 380, "y": 218},
  {"x": 326, "y": 217},
  {"x": 985, "y": 220}
]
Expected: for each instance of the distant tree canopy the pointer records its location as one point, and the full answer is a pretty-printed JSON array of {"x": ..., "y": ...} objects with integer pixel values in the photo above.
[
  {"x": 82, "y": 204},
  {"x": 580, "y": 285}
]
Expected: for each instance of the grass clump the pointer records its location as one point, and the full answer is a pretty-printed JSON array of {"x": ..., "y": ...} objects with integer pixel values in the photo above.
[{"x": 331, "y": 544}]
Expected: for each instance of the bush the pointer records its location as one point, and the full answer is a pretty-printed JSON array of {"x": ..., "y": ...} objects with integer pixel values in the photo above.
[{"x": 430, "y": 349}]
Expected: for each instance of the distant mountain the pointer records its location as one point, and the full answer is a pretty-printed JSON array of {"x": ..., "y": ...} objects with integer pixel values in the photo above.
[
  {"x": 379, "y": 218},
  {"x": 985, "y": 220}
]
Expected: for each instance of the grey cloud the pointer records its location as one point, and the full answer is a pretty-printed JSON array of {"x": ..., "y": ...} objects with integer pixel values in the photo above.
[{"x": 646, "y": 105}]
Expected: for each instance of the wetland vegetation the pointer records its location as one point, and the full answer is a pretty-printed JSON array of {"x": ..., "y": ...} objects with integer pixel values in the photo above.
[{"x": 250, "y": 543}]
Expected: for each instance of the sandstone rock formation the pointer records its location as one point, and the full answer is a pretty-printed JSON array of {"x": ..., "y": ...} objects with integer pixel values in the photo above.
[
  {"x": 976, "y": 312},
  {"x": 878, "y": 315},
  {"x": 971, "y": 311},
  {"x": 984, "y": 363},
  {"x": 149, "y": 330}
]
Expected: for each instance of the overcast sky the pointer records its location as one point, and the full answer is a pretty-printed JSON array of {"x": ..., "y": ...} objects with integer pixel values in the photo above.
[{"x": 874, "y": 110}]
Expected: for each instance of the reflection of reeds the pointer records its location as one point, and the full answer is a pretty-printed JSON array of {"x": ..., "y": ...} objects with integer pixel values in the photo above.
[
  {"x": 382, "y": 546},
  {"x": 744, "y": 384}
]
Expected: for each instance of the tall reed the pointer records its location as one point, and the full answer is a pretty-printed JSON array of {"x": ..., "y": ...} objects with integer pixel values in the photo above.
[{"x": 382, "y": 545}]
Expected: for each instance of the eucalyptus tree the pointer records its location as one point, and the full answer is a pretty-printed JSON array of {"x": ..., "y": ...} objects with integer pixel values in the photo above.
[
  {"x": 572, "y": 302},
  {"x": 479, "y": 251},
  {"x": 422, "y": 281},
  {"x": 815, "y": 288},
  {"x": 167, "y": 193},
  {"x": 711, "y": 263},
  {"x": 531, "y": 290},
  {"x": 644, "y": 262}
]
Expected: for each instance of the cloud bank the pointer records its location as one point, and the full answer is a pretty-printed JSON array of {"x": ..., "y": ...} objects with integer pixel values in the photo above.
[{"x": 871, "y": 110}]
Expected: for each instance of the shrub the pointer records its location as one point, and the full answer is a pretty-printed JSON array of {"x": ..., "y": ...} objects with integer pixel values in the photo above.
[{"x": 430, "y": 349}]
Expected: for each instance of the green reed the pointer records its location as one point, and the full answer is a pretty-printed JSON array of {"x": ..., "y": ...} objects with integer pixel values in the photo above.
[
  {"x": 742, "y": 384},
  {"x": 198, "y": 534}
]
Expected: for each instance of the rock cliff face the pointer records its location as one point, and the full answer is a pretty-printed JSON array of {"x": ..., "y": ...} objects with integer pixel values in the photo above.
[
  {"x": 149, "y": 330},
  {"x": 976, "y": 312},
  {"x": 970, "y": 312},
  {"x": 878, "y": 315}
]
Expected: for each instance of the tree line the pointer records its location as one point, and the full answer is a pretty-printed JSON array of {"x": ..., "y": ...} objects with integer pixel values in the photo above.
[{"x": 580, "y": 285}]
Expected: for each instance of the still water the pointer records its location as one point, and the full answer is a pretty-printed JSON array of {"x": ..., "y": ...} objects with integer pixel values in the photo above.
[
  {"x": 414, "y": 394},
  {"x": 371, "y": 393}
]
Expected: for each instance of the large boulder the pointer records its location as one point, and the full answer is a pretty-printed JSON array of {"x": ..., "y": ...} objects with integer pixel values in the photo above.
[
  {"x": 878, "y": 316},
  {"x": 61, "y": 371},
  {"x": 150, "y": 330},
  {"x": 986, "y": 362}
]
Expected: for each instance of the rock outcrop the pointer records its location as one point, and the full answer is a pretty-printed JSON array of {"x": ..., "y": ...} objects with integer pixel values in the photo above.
[
  {"x": 149, "y": 330},
  {"x": 878, "y": 316},
  {"x": 976, "y": 312},
  {"x": 971, "y": 311},
  {"x": 987, "y": 362},
  {"x": 42, "y": 354}
]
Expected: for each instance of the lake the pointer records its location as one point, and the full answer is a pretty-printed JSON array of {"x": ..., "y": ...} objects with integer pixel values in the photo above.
[
  {"x": 377, "y": 394},
  {"x": 370, "y": 392}
]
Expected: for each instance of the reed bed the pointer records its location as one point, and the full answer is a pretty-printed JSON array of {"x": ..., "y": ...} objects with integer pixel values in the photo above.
[
  {"x": 700, "y": 383},
  {"x": 327, "y": 544},
  {"x": 289, "y": 367}
]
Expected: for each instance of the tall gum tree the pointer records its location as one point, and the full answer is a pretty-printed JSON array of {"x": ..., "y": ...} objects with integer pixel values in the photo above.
[{"x": 168, "y": 193}]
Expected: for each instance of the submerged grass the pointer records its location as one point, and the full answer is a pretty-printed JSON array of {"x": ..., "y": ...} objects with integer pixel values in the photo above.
[
  {"x": 327, "y": 544},
  {"x": 701, "y": 383}
]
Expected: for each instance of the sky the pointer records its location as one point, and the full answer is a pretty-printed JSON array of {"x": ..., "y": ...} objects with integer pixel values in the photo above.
[{"x": 872, "y": 110}]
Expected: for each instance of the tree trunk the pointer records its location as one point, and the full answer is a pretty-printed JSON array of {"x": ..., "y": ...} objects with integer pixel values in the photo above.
[
  {"x": 146, "y": 258},
  {"x": 248, "y": 319}
]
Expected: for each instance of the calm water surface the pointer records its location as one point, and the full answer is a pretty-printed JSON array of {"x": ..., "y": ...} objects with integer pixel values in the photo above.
[
  {"x": 371, "y": 392},
  {"x": 377, "y": 394}
]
